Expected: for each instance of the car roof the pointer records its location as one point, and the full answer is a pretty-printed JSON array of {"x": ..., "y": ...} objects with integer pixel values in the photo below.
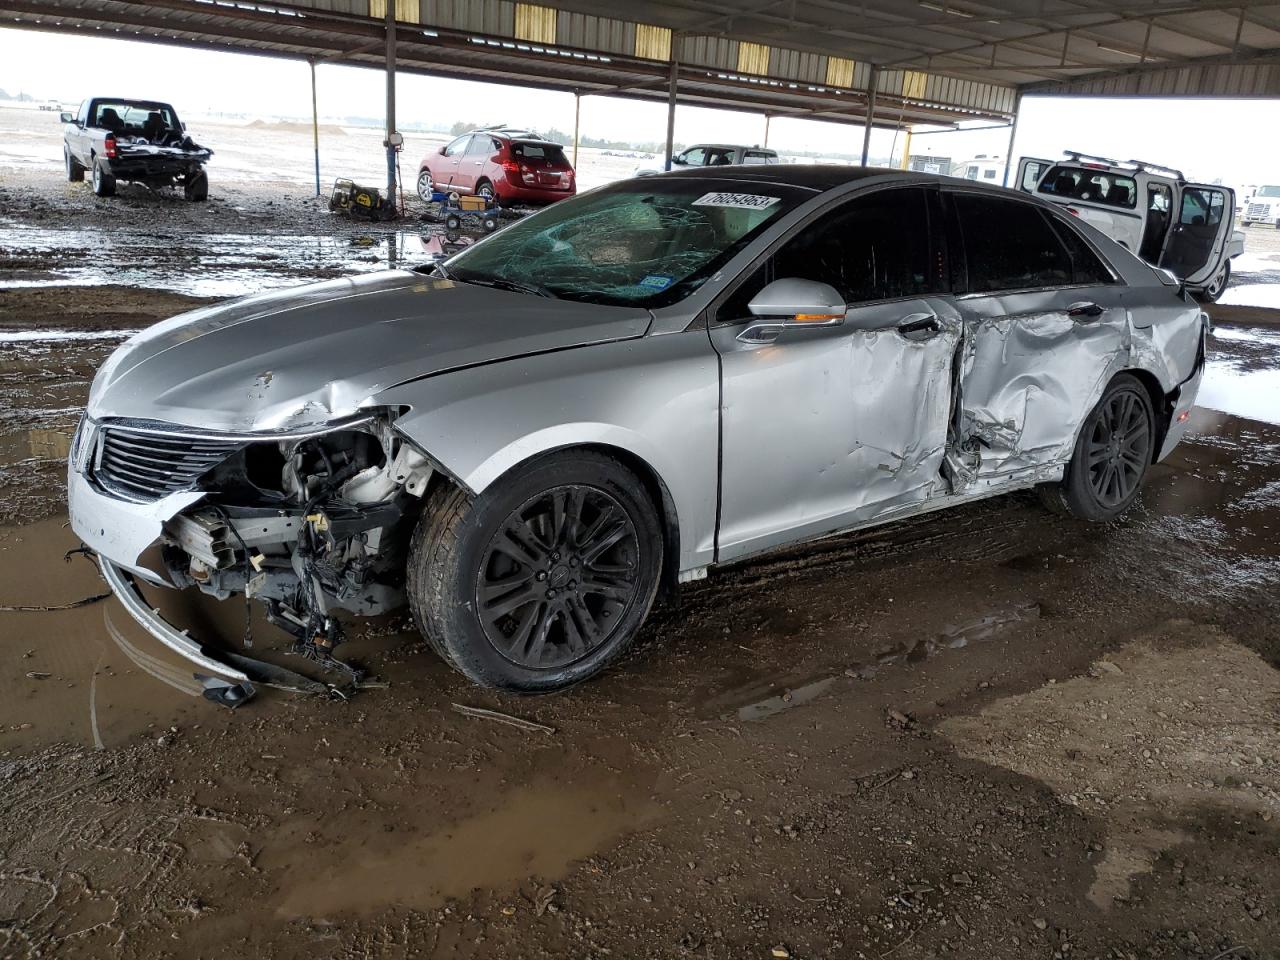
[
  {"x": 814, "y": 176},
  {"x": 731, "y": 146}
]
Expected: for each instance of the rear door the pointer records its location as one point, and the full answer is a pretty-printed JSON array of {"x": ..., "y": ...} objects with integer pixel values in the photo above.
[
  {"x": 1030, "y": 170},
  {"x": 472, "y": 163},
  {"x": 828, "y": 427},
  {"x": 1045, "y": 329},
  {"x": 1203, "y": 219}
]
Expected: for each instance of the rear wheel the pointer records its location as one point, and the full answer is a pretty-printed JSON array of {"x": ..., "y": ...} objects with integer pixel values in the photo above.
[
  {"x": 544, "y": 579},
  {"x": 485, "y": 189},
  {"x": 1111, "y": 455},
  {"x": 104, "y": 184},
  {"x": 75, "y": 172},
  {"x": 1214, "y": 288}
]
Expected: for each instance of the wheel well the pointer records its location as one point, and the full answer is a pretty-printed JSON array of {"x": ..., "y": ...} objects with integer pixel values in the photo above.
[
  {"x": 660, "y": 496},
  {"x": 1160, "y": 403},
  {"x": 658, "y": 493}
]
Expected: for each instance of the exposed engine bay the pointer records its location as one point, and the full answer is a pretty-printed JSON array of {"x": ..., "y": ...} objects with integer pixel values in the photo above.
[{"x": 306, "y": 526}]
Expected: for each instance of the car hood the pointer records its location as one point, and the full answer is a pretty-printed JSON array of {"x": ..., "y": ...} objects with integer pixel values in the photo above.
[{"x": 305, "y": 356}]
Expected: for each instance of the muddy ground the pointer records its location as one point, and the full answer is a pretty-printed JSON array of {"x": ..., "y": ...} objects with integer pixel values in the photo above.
[{"x": 988, "y": 733}]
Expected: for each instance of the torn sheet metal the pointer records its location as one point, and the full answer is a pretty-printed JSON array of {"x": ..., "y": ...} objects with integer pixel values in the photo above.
[{"x": 1027, "y": 381}]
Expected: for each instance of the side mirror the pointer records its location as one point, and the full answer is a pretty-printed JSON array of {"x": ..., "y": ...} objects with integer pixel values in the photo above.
[
  {"x": 792, "y": 302},
  {"x": 678, "y": 160},
  {"x": 444, "y": 149},
  {"x": 67, "y": 118}
]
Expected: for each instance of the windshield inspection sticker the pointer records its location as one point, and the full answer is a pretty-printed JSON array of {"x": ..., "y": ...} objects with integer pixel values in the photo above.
[
  {"x": 743, "y": 201},
  {"x": 656, "y": 281}
]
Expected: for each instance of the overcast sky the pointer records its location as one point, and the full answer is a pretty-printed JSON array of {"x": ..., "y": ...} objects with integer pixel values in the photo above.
[{"x": 1228, "y": 139}]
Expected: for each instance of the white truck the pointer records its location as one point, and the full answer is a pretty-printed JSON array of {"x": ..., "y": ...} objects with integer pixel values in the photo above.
[
  {"x": 1185, "y": 228},
  {"x": 1263, "y": 207}
]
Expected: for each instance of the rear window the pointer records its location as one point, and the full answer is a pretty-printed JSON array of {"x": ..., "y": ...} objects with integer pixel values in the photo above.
[
  {"x": 538, "y": 151},
  {"x": 1009, "y": 245},
  {"x": 1091, "y": 186}
]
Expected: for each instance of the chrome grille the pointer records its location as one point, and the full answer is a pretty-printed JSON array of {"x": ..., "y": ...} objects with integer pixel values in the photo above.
[
  {"x": 1257, "y": 210},
  {"x": 146, "y": 464}
]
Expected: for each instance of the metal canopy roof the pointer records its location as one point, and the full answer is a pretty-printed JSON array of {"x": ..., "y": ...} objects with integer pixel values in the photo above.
[{"x": 923, "y": 62}]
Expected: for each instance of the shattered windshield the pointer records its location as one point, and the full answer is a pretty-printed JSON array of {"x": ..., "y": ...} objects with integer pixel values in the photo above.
[{"x": 648, "y": 242}]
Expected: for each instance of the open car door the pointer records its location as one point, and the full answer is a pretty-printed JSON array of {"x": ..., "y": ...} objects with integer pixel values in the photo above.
[
  {"x": 1030, "y": 170},
  {"x": 1203, "y": 217}
]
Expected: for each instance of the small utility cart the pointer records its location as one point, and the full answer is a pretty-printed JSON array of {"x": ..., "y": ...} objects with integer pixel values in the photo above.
[{"x": 458, "y": 208}]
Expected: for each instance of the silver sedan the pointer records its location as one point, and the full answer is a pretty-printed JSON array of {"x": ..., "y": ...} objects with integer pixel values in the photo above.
[{"x": 530, "y": 441}]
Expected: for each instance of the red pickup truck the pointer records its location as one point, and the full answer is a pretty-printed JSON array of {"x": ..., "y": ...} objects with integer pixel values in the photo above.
[{"x": 138, "y": 140}]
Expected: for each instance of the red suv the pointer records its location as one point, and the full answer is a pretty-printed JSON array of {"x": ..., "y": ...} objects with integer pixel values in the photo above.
[{"x": 513, "y": 166}]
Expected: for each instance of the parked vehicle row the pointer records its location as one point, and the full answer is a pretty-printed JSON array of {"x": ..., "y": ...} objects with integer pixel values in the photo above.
[
  {"x": 528, "y": 441},
  {"x": 1186, "y": 228},
  {"x": 114, "y": 139}
]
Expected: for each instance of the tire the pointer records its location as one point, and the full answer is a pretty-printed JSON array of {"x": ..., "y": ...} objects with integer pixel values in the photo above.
[
  {"x": 425, "y": 186},
  {"x": 1103, "y": 478},
  {"x": 104, "y": 184},
  {"x": 485, "y": 189},
  {"x": 490, "y": 224},
  {"x": 452, "y": 222},
  {"x": 570, "y": 596},
  {"x": 75, "y": 172},
  {"x": 1214, "y": 289},
  {"x": 197, "y": 188}
]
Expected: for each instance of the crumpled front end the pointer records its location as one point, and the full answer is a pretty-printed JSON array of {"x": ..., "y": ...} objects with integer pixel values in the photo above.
[{"x": 306, "y": 522}]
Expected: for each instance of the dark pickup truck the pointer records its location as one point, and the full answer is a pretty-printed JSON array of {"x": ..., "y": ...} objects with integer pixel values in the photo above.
[{"x": 138, "y": 140}]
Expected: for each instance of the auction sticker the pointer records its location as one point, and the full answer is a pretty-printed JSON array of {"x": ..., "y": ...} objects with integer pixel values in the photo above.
[
  {"x": 742, "y": 201},
  {"x": 656, "y": 281}
]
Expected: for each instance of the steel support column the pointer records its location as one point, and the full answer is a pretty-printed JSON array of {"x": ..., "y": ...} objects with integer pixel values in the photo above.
[
  {"x": 671, "y": 107},
  {"x": 391, "y": 98},
  {"x": 871, "y": 113},
  {"x": 1013, "y": 132},
  {"x": 315, "y": 121},
  {"x": 766, "y": 130},
  {"x": 577, "y": 117}
]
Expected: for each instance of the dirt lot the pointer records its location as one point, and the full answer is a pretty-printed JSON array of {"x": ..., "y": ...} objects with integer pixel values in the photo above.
[{"x": 989, "y": 733}]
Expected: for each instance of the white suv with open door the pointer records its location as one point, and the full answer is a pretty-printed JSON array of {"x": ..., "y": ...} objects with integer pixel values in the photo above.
[{"x": 1185, "y": 228}]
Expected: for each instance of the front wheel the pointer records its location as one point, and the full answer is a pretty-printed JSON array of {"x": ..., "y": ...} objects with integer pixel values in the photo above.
[
  {"x": 426, "y": 188},
  {"x": 541, "y": 581},
  {"x": 197, "y": 187},
  {"x": 75, "y": 172},
  {"x": 1111, "y": 455}
]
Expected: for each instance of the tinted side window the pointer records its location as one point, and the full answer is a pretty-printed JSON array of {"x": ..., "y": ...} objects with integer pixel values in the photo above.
[
  {"x": 1009, "y": 245},
  {"x": 872, "y": 248},
  {"x": 481, "y": 144},
  {"x": 458, "y": 146},
  {"x": 1086, "y": 267}
]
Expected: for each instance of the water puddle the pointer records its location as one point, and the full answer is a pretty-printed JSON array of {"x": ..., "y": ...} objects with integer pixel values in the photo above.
[
  {"x": 205, "y": 264},
  {"x": 953, "y": 636},
  {"x": 86, "y": 675},
  {"x": 1252, "y": 295},
  {"x": 1242, "y": 376},
  {"x": 535, "y": 830}
]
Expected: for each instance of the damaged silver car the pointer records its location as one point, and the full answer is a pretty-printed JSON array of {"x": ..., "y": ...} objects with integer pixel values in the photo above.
[{"x": 527, "y": 442}]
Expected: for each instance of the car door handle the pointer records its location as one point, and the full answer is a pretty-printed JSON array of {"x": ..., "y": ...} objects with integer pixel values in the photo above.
[
  {"x": 1084, "y": 310},
  {"x": 919, "y": 326}
]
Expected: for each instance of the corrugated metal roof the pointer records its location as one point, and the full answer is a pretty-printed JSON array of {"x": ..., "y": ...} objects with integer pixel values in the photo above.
[{"x": 935, "y": 61}]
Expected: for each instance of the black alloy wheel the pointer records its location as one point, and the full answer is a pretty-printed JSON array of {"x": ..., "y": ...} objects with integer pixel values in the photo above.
[
  {"x": 1119, "y": 449},
  {"x": 1112, "y": 454},
  {"x": 558, "y": 577}
]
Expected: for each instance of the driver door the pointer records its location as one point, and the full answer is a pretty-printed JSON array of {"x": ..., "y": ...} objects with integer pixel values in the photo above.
[
  {"x": 829, "y": 426},
  {"x": 1030, "y": 170},
  {"x": 444, "y": 170}
]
